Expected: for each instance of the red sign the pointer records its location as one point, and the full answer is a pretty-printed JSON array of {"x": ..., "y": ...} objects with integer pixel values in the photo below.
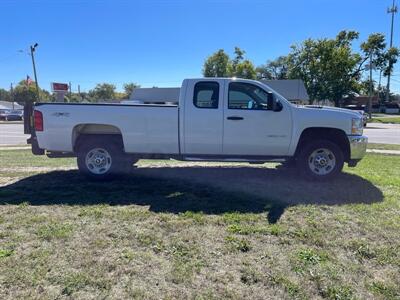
[{"x": 59, "y": 87}]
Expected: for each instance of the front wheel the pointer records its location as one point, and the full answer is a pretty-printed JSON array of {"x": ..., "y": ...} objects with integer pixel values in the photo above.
[
  {"x": 102, "y": 159},
  {"x": 320, "y": 160}
]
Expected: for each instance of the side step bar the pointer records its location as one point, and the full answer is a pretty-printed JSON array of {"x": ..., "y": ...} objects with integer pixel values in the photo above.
[{"x": 60, "y": 154}]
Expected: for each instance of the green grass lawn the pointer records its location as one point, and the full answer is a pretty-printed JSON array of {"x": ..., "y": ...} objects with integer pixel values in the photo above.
[
  {"x": 383, "y": 146},
  {"x": 386, "y": 120},
  {"x": 248, "y": 233}
]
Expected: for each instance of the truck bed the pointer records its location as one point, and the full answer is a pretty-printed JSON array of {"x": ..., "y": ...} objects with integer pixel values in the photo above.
[{"x": 145, "y": 128}]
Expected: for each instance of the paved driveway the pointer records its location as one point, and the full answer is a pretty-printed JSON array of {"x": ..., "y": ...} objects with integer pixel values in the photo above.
[{"x": 12, "y": 134}]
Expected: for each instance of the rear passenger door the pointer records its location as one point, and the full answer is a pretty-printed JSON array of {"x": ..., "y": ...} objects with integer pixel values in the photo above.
[{"x": 203, "y": 117}]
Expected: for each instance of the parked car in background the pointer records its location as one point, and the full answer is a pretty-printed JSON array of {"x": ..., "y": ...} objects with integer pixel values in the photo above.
[
  {"x": 361, "y": 111},
  {"x": 11, "y": 115},
  {"x": 3, "y": 113}
]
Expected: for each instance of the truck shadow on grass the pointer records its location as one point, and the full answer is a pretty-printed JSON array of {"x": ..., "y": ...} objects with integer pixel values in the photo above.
[{"x": 211, "y": 190}]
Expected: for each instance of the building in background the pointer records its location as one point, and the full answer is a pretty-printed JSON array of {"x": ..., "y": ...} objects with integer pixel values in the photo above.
[
  {"x": 155, "y": 95},
  {"x": 10, "y": 105},
  {"x": 293, "y": 90}
]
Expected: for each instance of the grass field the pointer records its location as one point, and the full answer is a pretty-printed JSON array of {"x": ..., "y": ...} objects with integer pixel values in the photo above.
[
  {"x": 386, "y": 120},
  {"x": 186, "y": 231}
]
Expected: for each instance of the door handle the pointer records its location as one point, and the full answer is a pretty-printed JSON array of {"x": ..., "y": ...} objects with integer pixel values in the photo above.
[{"x": 235, "y": 118}]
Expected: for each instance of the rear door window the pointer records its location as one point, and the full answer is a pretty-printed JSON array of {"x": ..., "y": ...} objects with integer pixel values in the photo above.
[{"x": 206, "y": 94}]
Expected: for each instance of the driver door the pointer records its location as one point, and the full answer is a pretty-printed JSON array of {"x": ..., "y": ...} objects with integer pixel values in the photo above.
[{"x": 250, "y": 126}]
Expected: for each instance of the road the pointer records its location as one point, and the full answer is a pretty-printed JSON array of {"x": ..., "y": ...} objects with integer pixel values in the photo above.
[
  {"x": 383, "y": 133},
  {"x": 12, "y": 134}
]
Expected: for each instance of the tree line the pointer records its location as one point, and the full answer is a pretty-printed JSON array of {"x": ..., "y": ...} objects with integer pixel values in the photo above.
[
  {"x": 329, "y": 67},
  {"x": 25, "y": 92}
]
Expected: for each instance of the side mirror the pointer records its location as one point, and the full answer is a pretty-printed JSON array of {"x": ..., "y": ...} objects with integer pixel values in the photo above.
[
  {"x": 273, "y": 104},
  {"x": 270, "y": 100},
  {"x": 278, "y": 106}
]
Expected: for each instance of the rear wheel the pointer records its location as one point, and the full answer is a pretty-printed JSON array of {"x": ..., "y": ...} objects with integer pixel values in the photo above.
[
  {"x": 102, "y": 158},
  {"x": 320, "y": 160}
]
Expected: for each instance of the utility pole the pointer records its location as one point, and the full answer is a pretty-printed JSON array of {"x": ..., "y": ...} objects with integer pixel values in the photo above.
[
  {"x": 370, "y": 85},
  {"x": 70, "y": 91},
  {"x": 79, "y": 92},
  {"x": 12, "y": 95},
  {"x": 392, "y": 11},
  {"x": 33, "y": 48}
]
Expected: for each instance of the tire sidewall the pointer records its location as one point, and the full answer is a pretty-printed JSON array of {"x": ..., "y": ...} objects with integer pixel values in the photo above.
[
  {"x": 118, "y": 160},
  {"x": 309, "y": 148}
]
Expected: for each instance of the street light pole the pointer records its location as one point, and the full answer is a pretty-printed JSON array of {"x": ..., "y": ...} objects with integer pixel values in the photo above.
[
  {"x": 392, "y": 11},
  {"x": 33, "y": 48}
]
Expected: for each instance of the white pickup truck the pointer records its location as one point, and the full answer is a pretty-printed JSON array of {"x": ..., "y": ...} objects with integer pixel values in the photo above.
[{"x": 216, "y": 119}]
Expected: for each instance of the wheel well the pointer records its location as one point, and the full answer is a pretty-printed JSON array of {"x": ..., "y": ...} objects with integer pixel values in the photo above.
[
  {"x": 334, "y": 135},
  {"x": 84, "y": 132}
]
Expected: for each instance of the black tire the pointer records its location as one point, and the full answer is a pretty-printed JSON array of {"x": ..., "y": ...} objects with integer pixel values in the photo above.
[
  {"x": 313, "y": 154},
  {"x": 109, "y": 150}
]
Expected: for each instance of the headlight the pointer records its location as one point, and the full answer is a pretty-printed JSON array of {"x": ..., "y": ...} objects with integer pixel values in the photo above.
[{"x": 357, "y": 126}]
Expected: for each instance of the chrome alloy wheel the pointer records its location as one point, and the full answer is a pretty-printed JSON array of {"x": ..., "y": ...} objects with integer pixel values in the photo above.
[
  {"x": 322, "y": 161},
  {"x": 98, "y": 161}
]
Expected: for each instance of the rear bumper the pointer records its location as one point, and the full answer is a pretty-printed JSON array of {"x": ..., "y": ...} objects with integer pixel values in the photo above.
[{"x": 358, "y": 146}]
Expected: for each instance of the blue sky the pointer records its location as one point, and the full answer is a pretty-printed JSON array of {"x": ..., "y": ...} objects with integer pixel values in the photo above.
[{"x": 162, "y": 42}]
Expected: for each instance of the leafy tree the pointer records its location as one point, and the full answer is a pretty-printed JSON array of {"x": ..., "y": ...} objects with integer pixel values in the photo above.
[
  {"x": 216, "y": 65},
  {"x": 383, "y": 60},
  {"x": 273, "y": 69},
  {"x": 5, "y": 95},
  {"x": 240, "y": 67},
  {"x": 220, "y": 65},
  {"x": 328, "y": 67},
  {"x": 27, "y": 93},
  {"x": 120, "y": 95},
  {"x": 102, "y": 91},
  {"x": 364, "y": 86},
  {"x": 129, "y": 87},
  {"x": 73, "y": 97},
  {"x": 374, "y": 46},
  {"x": 391, "y": 56},
  {"x": 234, "y": 63},
  {"x": 245, "y": 69},
  {"x": 374, "y": 49}
]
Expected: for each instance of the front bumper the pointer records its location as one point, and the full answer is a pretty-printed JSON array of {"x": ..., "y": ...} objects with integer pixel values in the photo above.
[{"x": 358, "y": 146}]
